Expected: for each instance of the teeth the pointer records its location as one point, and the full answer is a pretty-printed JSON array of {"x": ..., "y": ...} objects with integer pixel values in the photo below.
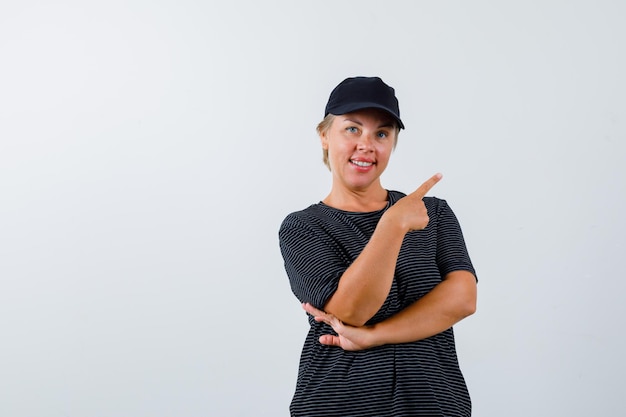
[{"x": 362, "y": 163}]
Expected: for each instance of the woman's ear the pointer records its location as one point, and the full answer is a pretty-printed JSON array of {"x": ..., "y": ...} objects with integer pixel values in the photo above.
[{"x": 324, "y": 140}]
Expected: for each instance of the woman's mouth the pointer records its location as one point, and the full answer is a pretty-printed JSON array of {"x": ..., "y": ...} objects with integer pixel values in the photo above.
[{"x": 361, "y": 163}]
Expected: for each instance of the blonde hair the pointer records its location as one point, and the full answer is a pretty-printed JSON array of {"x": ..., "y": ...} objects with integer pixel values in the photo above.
[{"x": 324, "y": 126}]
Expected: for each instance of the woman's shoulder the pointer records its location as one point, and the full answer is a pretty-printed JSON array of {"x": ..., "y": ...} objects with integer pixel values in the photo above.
[
  {"x": 308, "y": 215},
  {"x": 310, "y": 211}
]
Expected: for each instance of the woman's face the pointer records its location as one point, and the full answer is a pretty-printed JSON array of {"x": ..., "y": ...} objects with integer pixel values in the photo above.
[{"x": 359, "y": 146}]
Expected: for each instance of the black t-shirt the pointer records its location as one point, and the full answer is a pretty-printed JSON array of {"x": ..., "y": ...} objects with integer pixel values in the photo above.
[{"x": 411, "y": 379}]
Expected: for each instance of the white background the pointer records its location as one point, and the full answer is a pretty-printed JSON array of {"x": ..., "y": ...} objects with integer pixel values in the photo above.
[{"x": 150, "y": 149}]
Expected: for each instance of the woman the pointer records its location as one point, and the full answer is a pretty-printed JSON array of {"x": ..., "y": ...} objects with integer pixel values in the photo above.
[{"x": 383, "y": 275}]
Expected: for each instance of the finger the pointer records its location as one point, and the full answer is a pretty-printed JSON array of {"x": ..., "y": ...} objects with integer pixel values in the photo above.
[
  {"x": 331, "y": 320},
  {"x": 312, "y": 310},
  {"x": 330, "y": 340},
  {"x": 430, "y": 183}
]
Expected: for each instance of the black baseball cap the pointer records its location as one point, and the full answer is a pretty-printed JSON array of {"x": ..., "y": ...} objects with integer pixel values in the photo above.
[{"x": 357, "y": 93}]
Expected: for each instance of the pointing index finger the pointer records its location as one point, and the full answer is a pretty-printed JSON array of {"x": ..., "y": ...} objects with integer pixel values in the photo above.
[{"x": 428, "y": 184}]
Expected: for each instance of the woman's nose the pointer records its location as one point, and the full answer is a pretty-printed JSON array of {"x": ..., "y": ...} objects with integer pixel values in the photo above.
[{"x": 365, "y": 142}]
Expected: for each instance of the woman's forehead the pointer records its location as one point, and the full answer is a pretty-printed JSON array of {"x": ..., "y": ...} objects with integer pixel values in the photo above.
[{"x": 369, "y": 114}]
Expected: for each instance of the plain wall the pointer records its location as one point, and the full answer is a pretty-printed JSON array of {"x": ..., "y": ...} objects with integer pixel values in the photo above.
[{"x": 150, "y": 149}]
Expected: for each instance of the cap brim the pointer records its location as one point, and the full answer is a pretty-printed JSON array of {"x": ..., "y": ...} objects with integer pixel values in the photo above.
[{"x": 352, "y": 107}]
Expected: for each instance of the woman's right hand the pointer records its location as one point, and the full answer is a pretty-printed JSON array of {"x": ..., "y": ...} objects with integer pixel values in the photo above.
[
  {"x": 410, "y": 212},
  {"x": 348, "y": 337}
]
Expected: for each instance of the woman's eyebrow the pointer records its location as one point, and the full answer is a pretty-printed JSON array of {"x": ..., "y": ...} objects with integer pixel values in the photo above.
[{"x": 353, "y": 121}]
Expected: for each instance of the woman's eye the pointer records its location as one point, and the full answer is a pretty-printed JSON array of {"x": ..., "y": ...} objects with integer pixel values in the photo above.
[
  {"x": 352, "y": 129},
  {"x": 382, "y": 135}
]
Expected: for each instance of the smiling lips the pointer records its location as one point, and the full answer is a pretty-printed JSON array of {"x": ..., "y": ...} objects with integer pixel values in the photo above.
[{"x": 362, "y": 164}]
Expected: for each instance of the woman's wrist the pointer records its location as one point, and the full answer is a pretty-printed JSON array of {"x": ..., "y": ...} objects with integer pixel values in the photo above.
[
  {"x": 376, "y": 333},
  {"x": 392, "y": 223}
]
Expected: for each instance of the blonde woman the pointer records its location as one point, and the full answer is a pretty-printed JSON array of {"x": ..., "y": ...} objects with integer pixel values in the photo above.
[{"x": 383, "y": 275}]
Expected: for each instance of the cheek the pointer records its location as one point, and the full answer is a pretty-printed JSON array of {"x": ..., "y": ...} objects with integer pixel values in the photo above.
[
  {"x": 384, "y": 150},
  {"x": 338, "y": 146}
]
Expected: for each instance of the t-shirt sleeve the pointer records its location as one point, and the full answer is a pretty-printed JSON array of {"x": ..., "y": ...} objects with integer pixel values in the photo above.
[
  {"x": 313, "y": 262},
  {"x": 452, "y": 254}
]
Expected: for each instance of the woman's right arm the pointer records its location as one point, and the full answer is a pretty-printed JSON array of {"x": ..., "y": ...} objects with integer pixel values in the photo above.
[{"x": 365, "y": 285}]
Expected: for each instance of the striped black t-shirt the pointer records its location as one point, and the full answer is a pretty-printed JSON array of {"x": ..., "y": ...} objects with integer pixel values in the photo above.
[{"x": 411, "y": 379}]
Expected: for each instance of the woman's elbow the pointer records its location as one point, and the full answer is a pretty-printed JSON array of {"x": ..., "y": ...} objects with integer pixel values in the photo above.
[
  {"x": 468, "y": 306},
  {"x": 352, "y": 318},
  {"x": 351, "y": 313},
  {"x": 467, "y": 294}
]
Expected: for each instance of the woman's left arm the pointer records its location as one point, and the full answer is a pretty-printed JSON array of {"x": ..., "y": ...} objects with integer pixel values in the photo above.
[{"x": 448, "y": 303}]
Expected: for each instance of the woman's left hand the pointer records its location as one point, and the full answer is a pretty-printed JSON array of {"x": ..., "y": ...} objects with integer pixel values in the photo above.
[{"x": 348, "y": 337}]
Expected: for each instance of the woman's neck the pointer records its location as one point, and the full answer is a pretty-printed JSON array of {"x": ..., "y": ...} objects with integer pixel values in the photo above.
[{"x": 356, "y": 200}]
